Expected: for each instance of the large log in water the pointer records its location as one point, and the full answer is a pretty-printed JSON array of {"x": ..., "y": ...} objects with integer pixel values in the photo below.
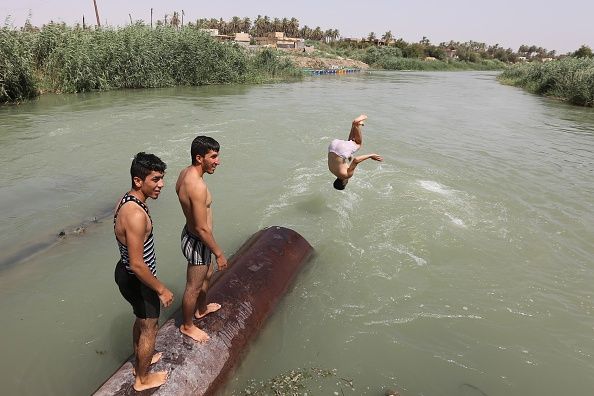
[{"x": 258, "y": 275}]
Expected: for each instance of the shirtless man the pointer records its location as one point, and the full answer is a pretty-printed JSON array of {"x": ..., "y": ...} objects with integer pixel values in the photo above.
[
  {"x": 197, "y": 240},
  {"x": 341, "y": 151},
  {"x": 135, "y": 273}
]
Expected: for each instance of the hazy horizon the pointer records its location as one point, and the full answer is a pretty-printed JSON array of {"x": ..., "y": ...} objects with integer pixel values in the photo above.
[{"x": 562, "y": 27}]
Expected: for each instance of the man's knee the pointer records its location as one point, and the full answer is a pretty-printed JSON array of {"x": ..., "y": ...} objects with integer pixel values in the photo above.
[{"x": 148, "y": 325}]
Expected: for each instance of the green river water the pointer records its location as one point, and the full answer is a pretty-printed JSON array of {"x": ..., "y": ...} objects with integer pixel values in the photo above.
[{"x": 461, "y": 265}]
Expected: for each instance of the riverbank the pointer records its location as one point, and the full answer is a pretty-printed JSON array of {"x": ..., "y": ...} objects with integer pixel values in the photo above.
[
  {"x": 393, "y": 58},
  {"x": 569, "y": 79},
  {"x": 63, "y": 59},
  {"x": 304, "y": 61}
]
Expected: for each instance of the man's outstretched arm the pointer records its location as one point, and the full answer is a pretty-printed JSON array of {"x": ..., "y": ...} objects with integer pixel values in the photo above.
[{"x": 357, "y": 160}]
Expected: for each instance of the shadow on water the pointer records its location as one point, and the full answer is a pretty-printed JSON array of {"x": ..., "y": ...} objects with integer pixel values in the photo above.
[
  {"x": 579, "y": 119},
  {"x": 467, "y": 389},
  {"x": 312, "y": 205},
  {"x": 73, "y": 231}
]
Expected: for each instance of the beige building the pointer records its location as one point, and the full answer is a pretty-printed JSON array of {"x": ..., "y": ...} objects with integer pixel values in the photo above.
[
  {"x": 279, "y": 40},
  {"x": 243, "y": 38},
  {"x": 212, "y": 32}
]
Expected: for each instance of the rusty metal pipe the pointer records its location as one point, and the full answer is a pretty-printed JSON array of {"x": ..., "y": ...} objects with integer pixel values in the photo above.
[{"x": 258, "y": 276}]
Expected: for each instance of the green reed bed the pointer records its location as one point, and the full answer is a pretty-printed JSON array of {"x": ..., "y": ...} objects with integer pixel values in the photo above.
[
  {"x": 394, "y": 63},
  {"x": 17, "y": 74},
  {"x": 393, "y": 58},
  {"x": 63, "y": 59},
  {"x": 570, "y": 79}
]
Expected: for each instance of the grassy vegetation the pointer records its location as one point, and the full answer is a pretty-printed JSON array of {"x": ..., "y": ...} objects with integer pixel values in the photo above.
[
  {"x": 59, "y": 58},
  {"x": 570, "y": 79},
  {"x": 392, "y": 63},
  {"x": 393, "y": 58},
  {"x": 17, "y": 80}
]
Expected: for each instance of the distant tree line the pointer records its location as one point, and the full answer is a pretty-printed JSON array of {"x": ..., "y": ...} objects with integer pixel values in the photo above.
[
  {"x": 171, "y": 51},
  {"x": 262, "y": 25},
  {"x": 470, "y": 51}
]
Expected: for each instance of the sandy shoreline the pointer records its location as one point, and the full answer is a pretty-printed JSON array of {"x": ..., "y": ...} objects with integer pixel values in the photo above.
[{"x": 316, "y": 62}]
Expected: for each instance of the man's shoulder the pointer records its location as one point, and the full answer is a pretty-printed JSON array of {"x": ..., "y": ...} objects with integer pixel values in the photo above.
[
  {"x": 189, "y": 176},
  {"x": 191, "y": 184},
  {"x": 131, "y": 213}
]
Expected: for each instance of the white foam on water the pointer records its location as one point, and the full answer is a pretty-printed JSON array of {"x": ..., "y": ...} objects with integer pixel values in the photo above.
[
  {"x": 456, "y": 363},
  {"x": 456, "y": 221},
  {"x": 359, "y": 250},
  {"x": 386, "y": 190},
  {"x": 461, "y": 209},
  {"x": 518, "y": 312},
  {"x": 392, "y": 321},
  {"x": 59, "y": 132},
  {"x": 435, "y": 187},
  {"x": 400, "y": 249},
  {"x": 343, "y": 205},
  {"x": 303, "y": 178}
]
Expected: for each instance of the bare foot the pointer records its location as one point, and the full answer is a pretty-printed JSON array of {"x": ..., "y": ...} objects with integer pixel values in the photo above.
[
  {"x": 156, "y": 357},
  {"x": 195, "y": 333},
  {"x": 151, "y": 380},
  {"x": 359, "y": 120},
  {"x": 210, "y": 308}
]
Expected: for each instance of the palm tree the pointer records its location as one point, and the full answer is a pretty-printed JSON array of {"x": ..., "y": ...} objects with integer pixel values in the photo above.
[
  {"x": 175, "y": 21},
  {"x": 336, "y": 34},
  {"x": 277, "y": 25},
  {"x": 293, "y": 27},
  {"x": 201, "y": 23},
  {"x": 213, "y": 23},
  {"x": 255, "y": 31},
  {"x": 285, "y": 26},
  {"x": 317, "y": 34},
  {"x": 235, "y": 25},
  {"x": 267, "y": 24},
  {"x": 222, "y": 26},
  {"x": 387, "y": 37},
  {"x": 246, "y": 24},
  {"x": 305, "y": 32}
]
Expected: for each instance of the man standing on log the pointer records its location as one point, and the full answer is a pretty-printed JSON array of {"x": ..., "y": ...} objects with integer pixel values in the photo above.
[
  {"x": 135, "y": 273},
  {"x": 197, "y": 240}
]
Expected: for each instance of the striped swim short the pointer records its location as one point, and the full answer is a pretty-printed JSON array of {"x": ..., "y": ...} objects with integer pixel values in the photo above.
[{"x": 194, "y": 250}]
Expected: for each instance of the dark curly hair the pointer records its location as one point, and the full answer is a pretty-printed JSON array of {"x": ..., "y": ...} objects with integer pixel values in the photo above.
[{"x": 143, "y": 164}]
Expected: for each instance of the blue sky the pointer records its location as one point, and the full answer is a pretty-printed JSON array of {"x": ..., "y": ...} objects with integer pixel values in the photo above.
[{"x": 559, "y": 25}]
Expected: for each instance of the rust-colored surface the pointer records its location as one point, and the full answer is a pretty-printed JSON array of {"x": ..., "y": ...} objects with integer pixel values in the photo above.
[{"x": 258, "y": 275}]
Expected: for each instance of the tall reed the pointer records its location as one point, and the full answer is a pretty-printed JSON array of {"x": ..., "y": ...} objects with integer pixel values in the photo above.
[
  {"x": 17, "y": 77},
  {"x": 71, "y": 59},
  {"x": 570, "y": 79}
]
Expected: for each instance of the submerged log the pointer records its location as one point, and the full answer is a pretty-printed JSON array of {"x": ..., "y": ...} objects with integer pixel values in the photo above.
[{"x": 258, "y": 275}]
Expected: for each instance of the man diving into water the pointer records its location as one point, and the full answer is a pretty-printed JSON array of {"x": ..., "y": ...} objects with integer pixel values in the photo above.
[{"x": 341, "y": 151}]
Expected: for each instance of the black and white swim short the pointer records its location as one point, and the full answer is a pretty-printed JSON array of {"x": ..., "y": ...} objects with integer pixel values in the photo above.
[{"x": 194, "y": 250}]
